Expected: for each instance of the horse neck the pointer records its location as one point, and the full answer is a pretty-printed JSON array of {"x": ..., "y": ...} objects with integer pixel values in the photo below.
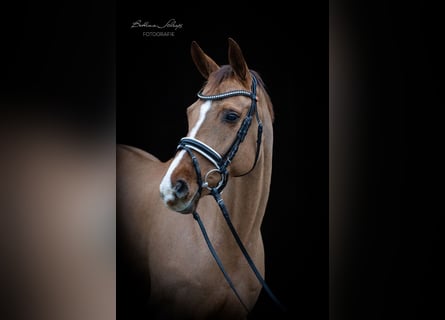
[{"x": 246, "y": 196}]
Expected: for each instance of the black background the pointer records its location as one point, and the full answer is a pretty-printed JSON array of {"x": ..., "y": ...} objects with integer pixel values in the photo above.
[
  {"x": 390, "y": 265},
  {"x": 58, "y": 62},
  {"x": 157, "y": 81}
]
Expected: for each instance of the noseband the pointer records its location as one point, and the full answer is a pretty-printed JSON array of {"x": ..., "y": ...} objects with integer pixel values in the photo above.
[{"x": 221, "y": 164}]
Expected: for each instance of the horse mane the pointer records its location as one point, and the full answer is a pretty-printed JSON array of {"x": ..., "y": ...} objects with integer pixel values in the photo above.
[{"x": 226, "y": 72}]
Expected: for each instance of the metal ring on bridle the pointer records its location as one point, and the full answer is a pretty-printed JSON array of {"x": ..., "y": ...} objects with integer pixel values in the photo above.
[{"x": 205, "y": 184}]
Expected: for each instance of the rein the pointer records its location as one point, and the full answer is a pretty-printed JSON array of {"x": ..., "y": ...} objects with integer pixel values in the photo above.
[{"x": 221, "y": 164}]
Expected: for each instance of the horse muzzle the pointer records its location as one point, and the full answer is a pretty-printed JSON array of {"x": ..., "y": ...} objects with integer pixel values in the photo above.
[{"x": 178, "y": 197}]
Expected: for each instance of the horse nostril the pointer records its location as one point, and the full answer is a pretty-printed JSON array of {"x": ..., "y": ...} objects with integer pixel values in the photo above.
[{"x": 181, "y": 189}]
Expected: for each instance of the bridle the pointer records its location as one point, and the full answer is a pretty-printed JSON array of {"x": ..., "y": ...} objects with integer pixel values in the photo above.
[{"x": 221, "y": 164}]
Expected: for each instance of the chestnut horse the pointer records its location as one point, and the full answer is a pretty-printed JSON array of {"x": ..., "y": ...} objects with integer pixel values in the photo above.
[{"x": 184, "y": 280}]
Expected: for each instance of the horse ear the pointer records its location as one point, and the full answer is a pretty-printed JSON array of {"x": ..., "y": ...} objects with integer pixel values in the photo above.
[
  {"x": 236, "y": 60},
  {"x": 203, "y": 62}
]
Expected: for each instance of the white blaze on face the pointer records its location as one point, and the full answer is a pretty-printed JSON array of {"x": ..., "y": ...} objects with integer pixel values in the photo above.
[{"x": 166, "y": 187}]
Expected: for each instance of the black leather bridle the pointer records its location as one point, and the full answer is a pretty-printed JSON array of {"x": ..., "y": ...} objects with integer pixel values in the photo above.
[{"x": 221, "y": 164}]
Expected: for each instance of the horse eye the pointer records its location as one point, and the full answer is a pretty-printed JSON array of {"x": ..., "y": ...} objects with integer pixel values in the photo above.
[{"x": 231, "y": 116}]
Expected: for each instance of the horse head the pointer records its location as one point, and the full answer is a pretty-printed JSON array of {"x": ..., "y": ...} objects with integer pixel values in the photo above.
[{"x": 219, "y": 142}]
